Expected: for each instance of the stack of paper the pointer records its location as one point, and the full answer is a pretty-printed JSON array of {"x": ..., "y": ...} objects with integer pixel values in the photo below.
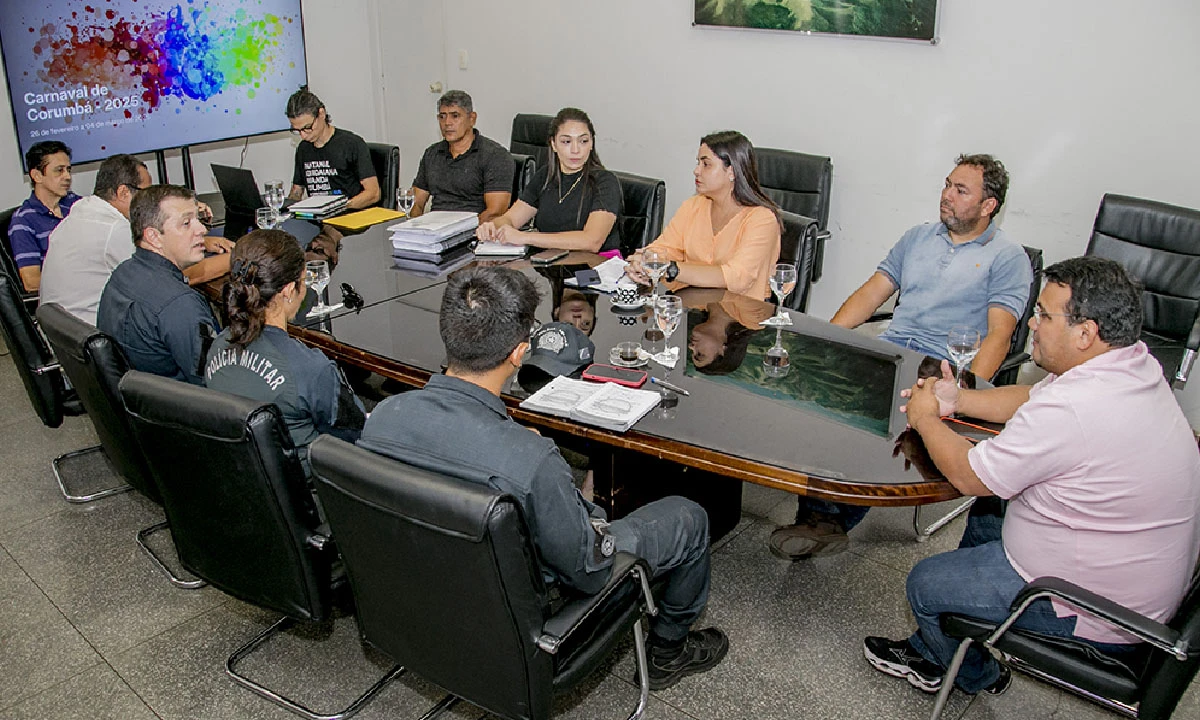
[
  {"x": 495, "y": 248},
  {"x": 434, "y": 265},
  {"x": 317, "y": 206},
  {"x": 606, "y": 405},
  {"x": 434, "y": 239}
]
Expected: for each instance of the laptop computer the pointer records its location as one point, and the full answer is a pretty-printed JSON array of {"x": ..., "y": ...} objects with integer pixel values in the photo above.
[{"x": 241, "y": 196}]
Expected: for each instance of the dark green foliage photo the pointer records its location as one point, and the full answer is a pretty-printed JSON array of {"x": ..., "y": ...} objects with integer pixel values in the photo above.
[{"x": 885, "y": 18}]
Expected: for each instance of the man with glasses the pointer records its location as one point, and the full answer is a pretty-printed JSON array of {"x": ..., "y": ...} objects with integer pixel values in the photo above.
[
  {"x": 49, "y": 164},
  {"x": 329, "y": 160},
  {"x": 163, "y": 325},
  {"x": 1100, "y": 470},
  {"x": 95, "y": 238},
  {"x": 485, "y": 321},
  {"x": 465, "y": 171}
]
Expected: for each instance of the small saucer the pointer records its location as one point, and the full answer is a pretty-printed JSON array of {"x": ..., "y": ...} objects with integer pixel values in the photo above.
[
  {"x": 616, "y": 360},
  {"x": 628, "y": 309}
]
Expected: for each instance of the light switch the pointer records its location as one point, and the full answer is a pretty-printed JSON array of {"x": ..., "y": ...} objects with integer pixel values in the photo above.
[{"x": 462, "y": 59}]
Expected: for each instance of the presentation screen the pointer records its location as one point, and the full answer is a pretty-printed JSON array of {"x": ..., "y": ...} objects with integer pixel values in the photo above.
[{"x": 132, "y": 76}]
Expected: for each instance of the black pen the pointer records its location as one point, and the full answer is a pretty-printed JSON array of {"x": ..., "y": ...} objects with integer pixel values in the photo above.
[{"x": 669, "y": 386}]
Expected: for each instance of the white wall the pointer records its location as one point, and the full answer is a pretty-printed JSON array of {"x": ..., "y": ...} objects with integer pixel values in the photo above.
[
  {"x": 1077, "y": 97},
  {"x": 343, "y": 69}
]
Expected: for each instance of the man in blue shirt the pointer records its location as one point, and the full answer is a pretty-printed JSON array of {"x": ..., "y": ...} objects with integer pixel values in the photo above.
[
  {"x": 49, "y": 164},
  {"x": 147, "y": 306},
  {"x": 959, "y": 271}
]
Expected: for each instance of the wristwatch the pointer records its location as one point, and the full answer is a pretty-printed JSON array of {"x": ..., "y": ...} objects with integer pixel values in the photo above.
[{"x": 672, "y": 272}]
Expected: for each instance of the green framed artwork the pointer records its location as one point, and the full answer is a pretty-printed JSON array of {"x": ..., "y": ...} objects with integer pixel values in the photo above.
[{"x": 903, "y": 19}]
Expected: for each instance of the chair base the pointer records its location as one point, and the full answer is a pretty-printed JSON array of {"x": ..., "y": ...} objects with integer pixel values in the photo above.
[
  {"x": 1017, "y": 664},
  {"x": 639, "y": 651},
  {"x": 924, "y": 534},
  {"x": 281, "y": 625},
  {"x": 175, "y": 579},
  {"x": 75, "y": 496}
]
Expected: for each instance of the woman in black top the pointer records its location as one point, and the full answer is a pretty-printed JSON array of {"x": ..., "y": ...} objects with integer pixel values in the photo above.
[{"x": 573, "y": 202}]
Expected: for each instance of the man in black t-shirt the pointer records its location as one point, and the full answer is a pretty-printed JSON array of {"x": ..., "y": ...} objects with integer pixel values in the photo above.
[
  {"x": 329, "y": 161},
  {"x": 465, "y": 171}
]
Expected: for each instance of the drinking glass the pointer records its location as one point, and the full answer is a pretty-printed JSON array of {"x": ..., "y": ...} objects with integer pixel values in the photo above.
[
  {"x": 668, "y": 310},
  {"x": 405, "y": 197},
  {"x": 776, "y": 363},
  {"x": 274, "y": 194},
  {"x": 962, "y": 344},
  {"x": 655, "y": 263},
  {"x": 318, "y": 279},
  {"x": 265, "y": 218},
  {"x": 783, "y": 282}
]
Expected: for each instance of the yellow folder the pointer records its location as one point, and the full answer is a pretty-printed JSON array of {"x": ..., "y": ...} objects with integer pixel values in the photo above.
[{"x": 364, "y": 218}]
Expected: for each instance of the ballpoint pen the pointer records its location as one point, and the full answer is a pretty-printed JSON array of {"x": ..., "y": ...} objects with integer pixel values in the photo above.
[{"x": 670, "y": 386}]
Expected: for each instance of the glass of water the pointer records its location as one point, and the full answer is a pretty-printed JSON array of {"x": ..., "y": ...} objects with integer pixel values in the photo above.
[
  {"x": 962, "y": 345},
  {"x": 405, "y": 197},
  {"x": 265, "y": 218},
  {"x": 318, "y": 279},
  {"x": 655, "y": 263},
  {"x": 274, "y": 195},
  {"x": 776, "y": 363},
  {"x": 783, "y": 282},
  {"x": 668, "y": 309}
]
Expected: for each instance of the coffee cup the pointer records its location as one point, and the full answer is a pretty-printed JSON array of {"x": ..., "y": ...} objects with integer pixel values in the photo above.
[{"x": 626, "y": 293}]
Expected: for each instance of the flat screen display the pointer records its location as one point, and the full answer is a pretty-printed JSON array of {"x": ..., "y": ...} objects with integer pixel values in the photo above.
[{"x": 132, "y": 76}]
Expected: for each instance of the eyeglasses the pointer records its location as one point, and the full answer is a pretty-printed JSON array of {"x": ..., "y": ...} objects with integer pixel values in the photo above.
[
  {"x": 1039, "y": 314},
  {"x": 306, "y": 128}
]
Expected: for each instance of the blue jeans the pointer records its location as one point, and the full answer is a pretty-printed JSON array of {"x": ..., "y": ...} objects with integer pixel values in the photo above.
[
  {"x": 671, "y": 535},
  {"x": 845, "y": 516},
  {"x": 978, "y": 581}
]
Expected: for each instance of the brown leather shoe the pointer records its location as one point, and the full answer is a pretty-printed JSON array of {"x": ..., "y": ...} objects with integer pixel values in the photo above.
[{"x": 799, "y": 542}]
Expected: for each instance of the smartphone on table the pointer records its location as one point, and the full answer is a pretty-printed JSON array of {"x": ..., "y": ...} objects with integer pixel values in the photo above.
[
  {"x": 610, "y": 373},
  {"x": 546, "y": 257}
]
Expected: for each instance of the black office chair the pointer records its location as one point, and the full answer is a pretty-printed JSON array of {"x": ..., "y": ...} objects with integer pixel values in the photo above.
[
  {"x": 801, "y": 184},
  {"x": 95, "y": 363},
  {"x": 1159, "y": 246},
  {"x": 644, "y": 202},
  {"x": 524, "y": 166},
  {"x": 447, "y": 582},
  {"x": 1146, "y": 685},
  {"x": 239, "y": 507},
  {"x": 386, "y": 159},
  {"x": 9, "y": 265},
  {"x": 531, "y": 136},
  {"x": 798, "y": 246}
]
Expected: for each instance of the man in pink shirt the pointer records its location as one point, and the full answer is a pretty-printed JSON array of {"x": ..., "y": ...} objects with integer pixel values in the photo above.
[{"x": 1100, "y": 469}]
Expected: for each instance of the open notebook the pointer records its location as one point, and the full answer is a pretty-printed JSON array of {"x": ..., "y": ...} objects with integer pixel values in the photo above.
[{"x": 607, "y": 405}]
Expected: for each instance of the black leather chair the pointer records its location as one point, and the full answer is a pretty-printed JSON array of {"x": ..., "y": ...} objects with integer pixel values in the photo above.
[
  {"x": 95, "y": 363},
  {"x": 1147, "y": 684},
  {"x": 43, "y": 380},
  {"x": 1007, "y": 373},
  {"x": 524, "y": 166},
  {"x": 239, "y": 507},
  {"x": 386, "y": 159},
  {"x": 8, "y": 264},
  {"x": 531, "y": 136},
  {"x": 1159, "y": 245},
  {"x": 798, "y": 246},
  {"x": 801, "y": 184},
  {"x": 446, "y": 582},
  {"x": 644, "y": 202}
]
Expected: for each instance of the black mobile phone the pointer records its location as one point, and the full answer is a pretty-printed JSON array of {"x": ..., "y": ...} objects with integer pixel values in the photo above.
[{"x": 547, "y": 256}]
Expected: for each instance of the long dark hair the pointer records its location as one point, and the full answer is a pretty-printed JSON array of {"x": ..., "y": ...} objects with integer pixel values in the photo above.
[
  {"x": 736, "y": 152},
  {"x": 553, "y": 176},
  {"x": 263, "y": 262},
  {"x": 305, "y": 102}
]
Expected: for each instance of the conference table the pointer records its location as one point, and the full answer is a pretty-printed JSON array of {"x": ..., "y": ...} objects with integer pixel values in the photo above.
[{"x": 830, "y": 429}]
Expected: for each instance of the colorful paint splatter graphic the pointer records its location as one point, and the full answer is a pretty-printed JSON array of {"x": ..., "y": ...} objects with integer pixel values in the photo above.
[{"x": 189, "y": 51}]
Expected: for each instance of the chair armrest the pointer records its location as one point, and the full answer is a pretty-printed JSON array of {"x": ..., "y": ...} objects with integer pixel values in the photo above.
[
  {"x": 559, "y": 627},
  {"x": 879, "y": 317},
  {"x": 1013, "y": 361},
  {"x": 1147, "y": 630}
]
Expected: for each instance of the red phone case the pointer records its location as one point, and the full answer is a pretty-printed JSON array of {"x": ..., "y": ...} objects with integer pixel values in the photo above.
[{"x": 640, "y": 381}]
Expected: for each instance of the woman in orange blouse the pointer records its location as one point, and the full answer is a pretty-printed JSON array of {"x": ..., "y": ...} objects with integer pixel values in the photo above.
[{"x": 727, "y": 234}]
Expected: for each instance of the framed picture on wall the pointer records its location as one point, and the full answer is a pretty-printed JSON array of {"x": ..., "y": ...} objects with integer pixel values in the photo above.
[{"x": 900, "y": 19}]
